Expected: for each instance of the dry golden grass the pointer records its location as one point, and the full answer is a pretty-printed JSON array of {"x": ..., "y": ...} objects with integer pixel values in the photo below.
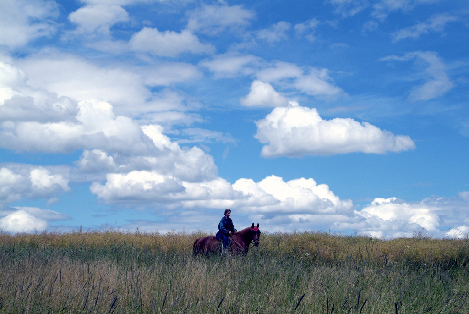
[{"x": 117, "y": 272}]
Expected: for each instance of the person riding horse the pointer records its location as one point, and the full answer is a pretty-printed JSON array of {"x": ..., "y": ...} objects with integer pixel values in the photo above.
[{"x": 225, "y": 229}]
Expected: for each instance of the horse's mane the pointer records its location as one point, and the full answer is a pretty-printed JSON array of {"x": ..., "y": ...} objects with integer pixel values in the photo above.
[{"x": 243, "y": 232}]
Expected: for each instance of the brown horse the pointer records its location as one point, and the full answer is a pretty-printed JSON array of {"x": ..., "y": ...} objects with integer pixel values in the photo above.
[{"x": 239, "y": 242}]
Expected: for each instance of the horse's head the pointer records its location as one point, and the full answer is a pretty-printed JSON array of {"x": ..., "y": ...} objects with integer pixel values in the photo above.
[{"x": 256, "y": 234}]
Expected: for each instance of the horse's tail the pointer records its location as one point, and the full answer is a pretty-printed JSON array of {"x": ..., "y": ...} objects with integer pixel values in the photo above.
[{"x": 196, "y": 247}]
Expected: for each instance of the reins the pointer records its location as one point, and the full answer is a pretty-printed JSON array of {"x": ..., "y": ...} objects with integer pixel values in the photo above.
[{"x": 232, "y": 239}]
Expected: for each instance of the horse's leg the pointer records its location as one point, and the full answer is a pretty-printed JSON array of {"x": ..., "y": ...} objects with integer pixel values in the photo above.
[{"x": 214, "y": 246}]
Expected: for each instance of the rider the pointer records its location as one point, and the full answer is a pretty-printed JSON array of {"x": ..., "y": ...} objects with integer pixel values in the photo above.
[{"x": 226, "y": 229}]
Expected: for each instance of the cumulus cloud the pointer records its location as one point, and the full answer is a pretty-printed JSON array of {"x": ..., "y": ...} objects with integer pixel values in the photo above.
[
  {"x": 390, "y": 211},
  {"x": 111, "y": 144},
  {"x": 96, "y": 161},
  {"x": 21, "y": 221},
  {"x": 95, "y": 127},
  {"x": 128, "y": 88},
  {"x": 168, "y": 43},
  {"x": 460, "y": 232},
  {"x": 434, "y": 24},
  {"x": 25, "y": 20},
  {"x": 28, "y": 219},
  {"x": 213, "y": 19},
  {"x": 299, "y": 204},
  {"x": 163, "y": 157},
  {"x": 74, "y": 77},
  {"x": 98, "y": 18},
  {"x": 27, "y": 181},
  {"x": 393, "y": 217},
  {"x": 20, "y": 102},
  {"x": 296, "y": 131},
  {"x": 437, "y": 81},
  {"x": 263, "y": 94},
  {"x": 271, "y": 197}
]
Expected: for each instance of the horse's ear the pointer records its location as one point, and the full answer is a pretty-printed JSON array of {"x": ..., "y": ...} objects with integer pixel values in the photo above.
[
  {"x": 257, "y": 225},
  {"x": 252, "y": 226}
]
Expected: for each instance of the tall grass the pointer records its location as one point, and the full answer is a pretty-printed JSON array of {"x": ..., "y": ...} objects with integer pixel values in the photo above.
[{"x": 115, "y": 272}]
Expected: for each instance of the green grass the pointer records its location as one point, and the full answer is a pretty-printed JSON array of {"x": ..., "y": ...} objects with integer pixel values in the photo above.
[{"x": 112, "y": 272}]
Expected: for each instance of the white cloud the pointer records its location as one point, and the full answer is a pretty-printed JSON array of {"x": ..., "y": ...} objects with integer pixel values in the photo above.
[
  {"x": 20, "y": 102},
  {"x": 263, "y": 94},
  {"x": 392, "y": 210},
  {"x": 277, "y": 32},
  {"x": 168, "y": 43},
  {"x": 317, "y": 82},
  {"x": 21, "y": 221},
  {"x": 382, "y": 8},
  {"x": 231, "y": 64},
  {"x": 28, "y": 219},
  {"x": 74, "y": 77},
  {"x": 460, "y": 232},
  {"x": 96, "y": 161},
  {"x": 42, "y": 179},
  {"x": 434, "y": 24},
  {"x": 213, "y": 19},
  {"x": 392, "y": 218},
  {"x": 297, "y": 131},
  {"x": 464, "y": 195},
  {"x": 138, "y": 186},
  {"x": 45, "y": 214},
  {"x": 95, "y": 127},
  {"x": 98, "y": 18},
  {"x": 307, "y": 29},
  {"x": 279, "y": 71},
  {"x": 437, "y": 81},
  {"x": 127, "y": 88},
  {"x": 271, "y": 197},
  {"x": 295, "y": 205},
  {"x": 26, "y": 181},
  {"x": 39, "y": 121},
  {"x": 169, "y": 73},
  {"x": 162, "y": 157},
  {"x": 347, "y": 8},
  {"x": 312, "y": 81},
  {"x": 25, "y": 20}
]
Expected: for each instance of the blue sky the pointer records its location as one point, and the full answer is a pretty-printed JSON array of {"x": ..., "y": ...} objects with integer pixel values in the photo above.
[{"x": 345, "y": 116}]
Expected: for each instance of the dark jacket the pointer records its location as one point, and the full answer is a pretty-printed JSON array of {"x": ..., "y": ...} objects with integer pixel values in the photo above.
[{"x": 225, "y": 225}]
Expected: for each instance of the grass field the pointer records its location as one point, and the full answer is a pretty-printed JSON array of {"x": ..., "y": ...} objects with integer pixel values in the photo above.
[{"x": 115, "y": 272}]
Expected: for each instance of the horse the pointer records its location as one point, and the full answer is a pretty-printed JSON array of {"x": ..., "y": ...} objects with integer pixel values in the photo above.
[{"x": 240, "y": 242}]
